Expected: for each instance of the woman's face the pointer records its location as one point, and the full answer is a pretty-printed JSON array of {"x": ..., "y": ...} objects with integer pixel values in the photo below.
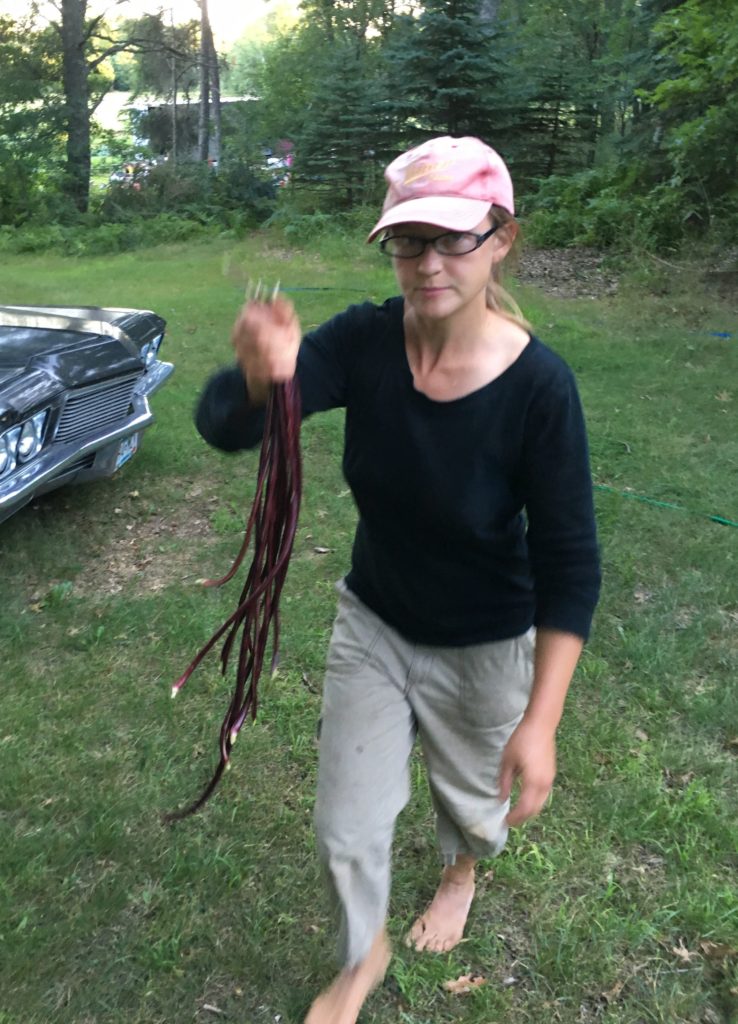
[{"x": 437, "y": 285}]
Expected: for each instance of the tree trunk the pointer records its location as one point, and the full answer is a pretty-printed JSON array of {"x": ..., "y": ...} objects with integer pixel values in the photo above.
[
  {"x": 215, "y": 149},
  {"x": 553, "y": 150},
  {"x": 174, "y": 113},
  {"x": 203, "y": 126},
  {"x": 173, "y": 67},
  {"x": 76, "y": 93}
]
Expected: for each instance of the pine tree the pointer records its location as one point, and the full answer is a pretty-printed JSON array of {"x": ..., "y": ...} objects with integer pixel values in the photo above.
[
  {"x": 445, "y": 72},
  {"x": 336, "y": 150}
]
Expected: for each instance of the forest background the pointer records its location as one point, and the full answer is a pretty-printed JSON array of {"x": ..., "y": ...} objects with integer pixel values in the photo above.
[{"x": 618, "y": 118}]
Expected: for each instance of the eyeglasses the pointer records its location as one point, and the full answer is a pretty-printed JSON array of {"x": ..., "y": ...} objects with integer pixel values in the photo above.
[{"x": 450, "y": 243}]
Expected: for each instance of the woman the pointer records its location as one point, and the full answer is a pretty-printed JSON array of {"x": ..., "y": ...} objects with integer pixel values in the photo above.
[{"x": 474, "y": 570}]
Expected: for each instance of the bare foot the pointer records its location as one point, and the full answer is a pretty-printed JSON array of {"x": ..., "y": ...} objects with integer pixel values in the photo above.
[
  {"x": 341, "y": 1002},
  {"x": 441, "y": 927}
]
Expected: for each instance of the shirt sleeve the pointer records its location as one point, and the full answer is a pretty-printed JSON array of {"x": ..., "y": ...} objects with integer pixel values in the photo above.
[
  {"x": 224, "y": 416},
  {"x": 562, "y": 535}
]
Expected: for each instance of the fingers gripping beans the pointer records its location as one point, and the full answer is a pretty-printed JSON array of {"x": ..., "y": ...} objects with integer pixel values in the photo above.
[{"x": 270, "y": 530}]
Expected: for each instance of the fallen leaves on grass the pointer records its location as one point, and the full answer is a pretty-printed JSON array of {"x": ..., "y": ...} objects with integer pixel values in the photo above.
[
  {"x": 673, "y": 780},
  {"x": 613, "y": 994},
  {"x": 684, "y": 954},
  {"x": 466, "y": 983},
  {"x": 718, "y": 950}
]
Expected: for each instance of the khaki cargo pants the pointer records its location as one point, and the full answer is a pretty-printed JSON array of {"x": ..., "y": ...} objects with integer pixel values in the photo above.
[{"x": 381, "y": 692}]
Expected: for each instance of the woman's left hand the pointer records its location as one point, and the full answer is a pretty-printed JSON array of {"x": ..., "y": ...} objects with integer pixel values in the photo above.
[{"x": 530, "y": 755}]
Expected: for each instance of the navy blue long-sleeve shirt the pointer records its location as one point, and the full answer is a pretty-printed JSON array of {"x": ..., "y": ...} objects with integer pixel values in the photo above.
[{"x": 476, "y": 517}]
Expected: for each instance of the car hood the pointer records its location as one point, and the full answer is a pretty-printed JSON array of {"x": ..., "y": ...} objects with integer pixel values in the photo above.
[
  {"x": 7, "y": 373},
  {"x": 69, "y": 356},
  {"x": 54, "y": 347}
]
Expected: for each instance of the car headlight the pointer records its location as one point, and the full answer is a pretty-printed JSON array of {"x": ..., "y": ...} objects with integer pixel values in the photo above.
[
  {"x": 31, "y": 437},
  {"x": 22, "y": 443},
  {"x": 9, "y": 449},
  {"x": 150, "y": 351}
]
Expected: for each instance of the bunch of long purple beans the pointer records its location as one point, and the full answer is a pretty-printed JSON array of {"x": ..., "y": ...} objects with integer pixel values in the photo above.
[{"x": 272, "y": 525}]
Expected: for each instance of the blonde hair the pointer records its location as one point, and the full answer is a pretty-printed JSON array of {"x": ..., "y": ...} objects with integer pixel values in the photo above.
[{"x": 498, "y": 298}]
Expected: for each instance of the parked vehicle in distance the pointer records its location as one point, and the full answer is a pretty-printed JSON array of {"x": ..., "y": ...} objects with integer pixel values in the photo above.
[{"x": 75, "y": 385}]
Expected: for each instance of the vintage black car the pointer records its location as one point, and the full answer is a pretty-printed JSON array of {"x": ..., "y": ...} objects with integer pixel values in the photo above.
[{"x": 74, "y": 394}]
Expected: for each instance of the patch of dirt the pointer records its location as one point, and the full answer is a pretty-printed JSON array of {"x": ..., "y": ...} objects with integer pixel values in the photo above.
[
  {"x": 580, "y": 273},
  {"x": 138, "y": 558},
  {"x": 576, "y": 273},
  {"x": 144, "y": 554},
  {"x": 272, "y": 252}
]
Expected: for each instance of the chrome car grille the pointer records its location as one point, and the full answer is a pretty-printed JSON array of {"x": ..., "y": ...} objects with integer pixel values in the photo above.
[{"x": 95, "y": 407}]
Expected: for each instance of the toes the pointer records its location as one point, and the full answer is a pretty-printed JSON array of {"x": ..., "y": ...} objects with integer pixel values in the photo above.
[
  {"x": 423, "y": 936},
  {"x": 434, "y": 942},
  {"x": 427, "y": 941},
  {"x": 416, "y": 934}
]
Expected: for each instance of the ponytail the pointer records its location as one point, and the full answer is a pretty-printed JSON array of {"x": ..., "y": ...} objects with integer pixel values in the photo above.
[{"x": 498, "y": 298}]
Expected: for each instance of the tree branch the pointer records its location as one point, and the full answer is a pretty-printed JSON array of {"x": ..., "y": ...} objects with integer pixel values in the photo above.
[
  {"x": 135, "y": 45},
  {"x": 91, "y": 26}
]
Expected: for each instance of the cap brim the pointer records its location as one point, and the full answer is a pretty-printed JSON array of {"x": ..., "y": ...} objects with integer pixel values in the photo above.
[{"x": 448, "y": 212}]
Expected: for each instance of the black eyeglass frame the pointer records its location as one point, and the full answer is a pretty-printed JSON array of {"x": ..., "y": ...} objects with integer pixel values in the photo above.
[{"x": 425, "y": 242}]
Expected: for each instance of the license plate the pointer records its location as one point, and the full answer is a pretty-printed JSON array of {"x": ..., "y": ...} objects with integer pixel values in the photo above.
[{"x": 127, "y": 449}]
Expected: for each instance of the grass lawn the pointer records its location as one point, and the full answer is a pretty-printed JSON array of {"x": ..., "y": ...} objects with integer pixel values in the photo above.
[{"x": 618, "y": 905}]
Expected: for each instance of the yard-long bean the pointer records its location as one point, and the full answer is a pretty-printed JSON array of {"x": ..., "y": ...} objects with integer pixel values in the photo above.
[{"x": 271, "y": 526}]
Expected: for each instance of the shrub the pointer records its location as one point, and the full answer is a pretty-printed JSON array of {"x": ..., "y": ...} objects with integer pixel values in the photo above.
[
  {"x": 239, "y": 188},
  {"x": 191, "y": 190},
  {"x": 605, "y": 208},
  {"x": 134, "y": 233},
  {"x": 313, "y": 226}
]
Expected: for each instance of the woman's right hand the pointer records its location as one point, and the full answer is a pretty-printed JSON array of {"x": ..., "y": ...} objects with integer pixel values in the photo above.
[{"x": 266, "y": 338}]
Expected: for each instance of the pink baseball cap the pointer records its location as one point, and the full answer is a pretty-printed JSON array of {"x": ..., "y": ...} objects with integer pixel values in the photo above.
[{"x": 445, "y": 181}]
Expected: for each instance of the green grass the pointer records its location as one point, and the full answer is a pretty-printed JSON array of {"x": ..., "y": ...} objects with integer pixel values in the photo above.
[{"x": 618, "y": 905}]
